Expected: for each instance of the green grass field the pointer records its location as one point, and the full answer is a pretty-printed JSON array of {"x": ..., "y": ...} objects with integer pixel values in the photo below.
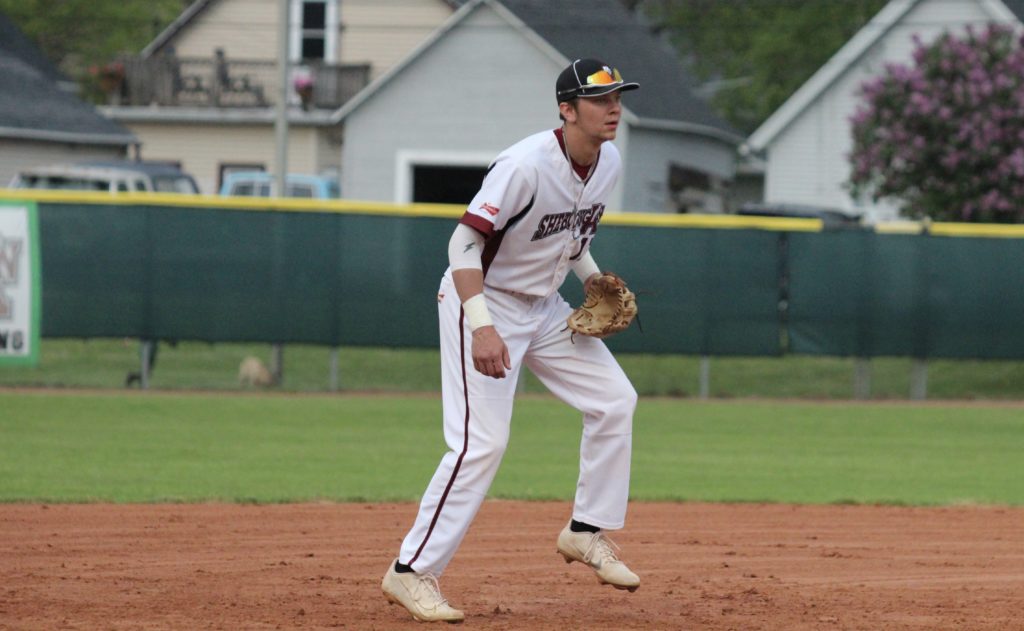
[
  {"x": 196, "y": 365},
  {"x": 122, "y": 447}
]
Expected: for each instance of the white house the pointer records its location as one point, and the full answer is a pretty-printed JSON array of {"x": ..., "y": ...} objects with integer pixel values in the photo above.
[
  {"x": 427, "y": 129},
  {"x": 805, "y": 143}
]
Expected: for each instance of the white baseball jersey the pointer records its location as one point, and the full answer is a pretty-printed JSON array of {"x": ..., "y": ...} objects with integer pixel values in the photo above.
[{"x": 537, "y": 214}]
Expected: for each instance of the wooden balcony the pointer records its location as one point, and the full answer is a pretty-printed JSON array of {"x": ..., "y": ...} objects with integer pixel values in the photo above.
[{"x": 217, "y": 81}]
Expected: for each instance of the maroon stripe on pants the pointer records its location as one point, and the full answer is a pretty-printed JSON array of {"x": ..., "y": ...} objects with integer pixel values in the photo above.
[{"x": 465, "y": 440}]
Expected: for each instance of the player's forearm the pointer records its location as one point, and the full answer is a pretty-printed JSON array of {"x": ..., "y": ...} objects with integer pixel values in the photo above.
[
  {"x": 464, "y": 256},
  {"x": 468, "y": 283}
]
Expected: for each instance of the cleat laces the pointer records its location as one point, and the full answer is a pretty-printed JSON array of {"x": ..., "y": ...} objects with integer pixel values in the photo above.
[
  {"x": 602, "y": 549},
  {"x": 428, "y": 584}
]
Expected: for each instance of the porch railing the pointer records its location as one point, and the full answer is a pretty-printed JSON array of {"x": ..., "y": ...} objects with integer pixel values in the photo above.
[{"x": 169, "y": 80}]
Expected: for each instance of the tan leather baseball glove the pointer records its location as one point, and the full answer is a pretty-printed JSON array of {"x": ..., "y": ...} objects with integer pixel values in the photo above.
[{"x": 609, "y": 307}]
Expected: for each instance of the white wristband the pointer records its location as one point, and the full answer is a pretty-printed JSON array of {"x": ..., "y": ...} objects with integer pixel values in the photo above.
[
  {"x": 476, "y": 312},
  {"x": 585, "y": 267}
]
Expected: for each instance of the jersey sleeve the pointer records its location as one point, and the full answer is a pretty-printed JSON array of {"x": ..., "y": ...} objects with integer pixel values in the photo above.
[{"x": 506, "y": 190}]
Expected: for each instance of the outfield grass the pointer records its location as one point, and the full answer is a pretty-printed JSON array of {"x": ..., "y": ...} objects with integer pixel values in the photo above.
[
  {"x": 72, "y": 447},
  {"x": 196, "y": 365}
]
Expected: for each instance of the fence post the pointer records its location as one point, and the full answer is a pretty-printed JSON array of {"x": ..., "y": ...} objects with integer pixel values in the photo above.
[
  {"x": 333, "y": 382},
  {"x": 277, "y": 363},
  {"x": 862, "y": 378},
  {"x": 705, "y": 376},
  {"x": 919, "y": 380},
  {"x": 146, "y": 356}
]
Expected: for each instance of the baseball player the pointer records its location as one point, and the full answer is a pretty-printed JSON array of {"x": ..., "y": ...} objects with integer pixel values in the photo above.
[{"x": 532, "y": 222}]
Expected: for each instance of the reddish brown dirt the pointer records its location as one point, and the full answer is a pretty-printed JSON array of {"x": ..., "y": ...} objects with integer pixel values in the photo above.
[{"x": 318, "y": 566}]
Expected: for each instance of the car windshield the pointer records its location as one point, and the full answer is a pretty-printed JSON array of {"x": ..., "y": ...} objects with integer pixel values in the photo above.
[
  {"x": 300, "y": 190},
  {"x": 64, "y": 183},
  {"x": 173, "y": 184},
  {"x": 250, "y": 189}
]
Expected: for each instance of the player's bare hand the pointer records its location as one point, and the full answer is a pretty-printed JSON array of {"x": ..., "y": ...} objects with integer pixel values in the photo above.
[{"x": 490, "y": 355}]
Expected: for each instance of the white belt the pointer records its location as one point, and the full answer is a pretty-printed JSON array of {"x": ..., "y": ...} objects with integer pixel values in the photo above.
[{"x": 529, "y": 298}]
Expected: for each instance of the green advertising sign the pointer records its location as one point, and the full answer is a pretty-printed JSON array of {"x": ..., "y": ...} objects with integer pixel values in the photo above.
[{"x": 20, "y": 291}]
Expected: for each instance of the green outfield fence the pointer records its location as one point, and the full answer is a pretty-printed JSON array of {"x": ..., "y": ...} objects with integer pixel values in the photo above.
[{"x": 168, "y": 267}]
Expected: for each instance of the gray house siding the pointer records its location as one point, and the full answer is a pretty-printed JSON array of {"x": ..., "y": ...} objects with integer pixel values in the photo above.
[
  {"x": 651, "y": 152},
  {"x": 479, "y": 89},
  {"x": 487, "y": 80}
]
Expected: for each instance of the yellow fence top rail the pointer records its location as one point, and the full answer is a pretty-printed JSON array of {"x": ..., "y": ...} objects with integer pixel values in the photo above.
[
  {"x": 453, "y": 211},
  {"x": 952, "y": 229}
]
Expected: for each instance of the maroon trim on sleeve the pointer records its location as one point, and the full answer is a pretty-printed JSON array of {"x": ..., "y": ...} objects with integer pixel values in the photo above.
[
  {"x": 492, "y": 244},
  {"x": 478, "y": 223}
]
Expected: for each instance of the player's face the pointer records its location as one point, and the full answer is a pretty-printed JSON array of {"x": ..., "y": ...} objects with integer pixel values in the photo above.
[{"x": 598, "y": 116}]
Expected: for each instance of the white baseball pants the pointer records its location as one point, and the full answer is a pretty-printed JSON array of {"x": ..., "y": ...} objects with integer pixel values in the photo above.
[{"x": 478, "y": 411}]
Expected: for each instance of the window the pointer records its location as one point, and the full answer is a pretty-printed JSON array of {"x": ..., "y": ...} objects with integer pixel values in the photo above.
[
  {"x": 172, "y": 184},
  {"x": 301, "y": 190},
  {"x": 233, "y": 167},
  {"x": 314, "y": 31},
  {"x": 314, "y": 16},
  {"x": 693, "y": 191},
  {"x": 446, "y": 184}
]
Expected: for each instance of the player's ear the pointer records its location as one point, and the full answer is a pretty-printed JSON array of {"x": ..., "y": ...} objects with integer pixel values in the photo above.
[{"x": 567, "y": 110}]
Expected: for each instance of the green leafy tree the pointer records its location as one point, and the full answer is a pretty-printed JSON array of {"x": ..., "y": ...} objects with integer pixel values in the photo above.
[
  {"x": 79, "y": 35},
  {"x": 945, "y": 133},
  {"x": 754, "y": 54}
]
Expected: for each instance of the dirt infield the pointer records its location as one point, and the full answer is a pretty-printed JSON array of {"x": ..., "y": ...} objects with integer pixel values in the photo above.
[{"x": 318, "y": 566}]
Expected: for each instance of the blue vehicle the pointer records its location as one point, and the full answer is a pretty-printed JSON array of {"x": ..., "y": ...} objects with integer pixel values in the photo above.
[{"x": 263, "y": 184}]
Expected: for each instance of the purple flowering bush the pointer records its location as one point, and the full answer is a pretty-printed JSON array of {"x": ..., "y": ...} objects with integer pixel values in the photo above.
[{"x": 946, "y": 134}]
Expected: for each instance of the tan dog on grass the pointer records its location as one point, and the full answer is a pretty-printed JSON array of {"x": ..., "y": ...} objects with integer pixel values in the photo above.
[{"x": 253, "y": 373}]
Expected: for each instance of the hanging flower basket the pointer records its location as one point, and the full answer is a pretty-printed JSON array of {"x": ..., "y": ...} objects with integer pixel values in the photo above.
[
  {"x": 303, "y": 85},
  {"x": 109, "y": 76}
]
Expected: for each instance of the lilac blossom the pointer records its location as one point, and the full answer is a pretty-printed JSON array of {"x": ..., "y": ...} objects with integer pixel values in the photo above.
[{"x": 945, "y": 133}]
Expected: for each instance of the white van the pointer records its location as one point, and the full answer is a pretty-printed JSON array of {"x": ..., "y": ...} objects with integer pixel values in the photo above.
[{"x": 111, "y": 177}]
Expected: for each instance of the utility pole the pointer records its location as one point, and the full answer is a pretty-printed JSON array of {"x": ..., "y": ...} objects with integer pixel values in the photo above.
[
  {"x": 281, "y": 122},
  {"x": 281, "y": 141}
]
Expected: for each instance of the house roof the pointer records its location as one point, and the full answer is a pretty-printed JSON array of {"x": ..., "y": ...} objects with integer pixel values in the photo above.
[
  {"x": 14, "y": 43},
  {"x": 32, "y": 106},
  {"x": 569, "y": 30},
  {"x": 851, "y": 52},
  {"x": 606, "y": 30},
  {"x": 175, "y": 27},
  {"x": 1017, "y": 7}
]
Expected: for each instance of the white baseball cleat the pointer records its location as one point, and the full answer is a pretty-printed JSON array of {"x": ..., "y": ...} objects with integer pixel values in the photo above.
[
  {"x": 420, "y": 594},
  {"x": 598, "y": 551}
]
